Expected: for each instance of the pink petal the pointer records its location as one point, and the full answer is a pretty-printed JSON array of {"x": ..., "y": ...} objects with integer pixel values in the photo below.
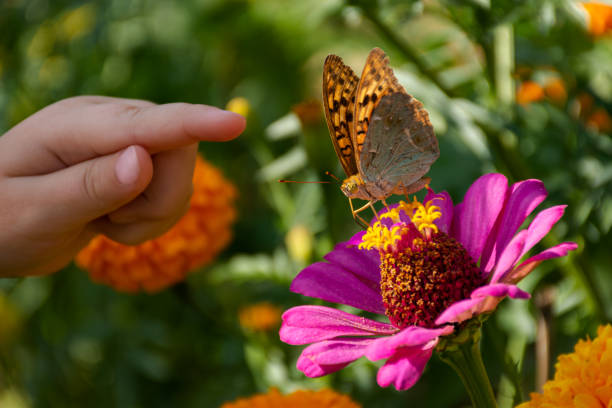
[
  {"x": 445, "y": 202},
  {"x": 526, "y": 267},
  {"x": 404, "y": 368},
  {"x": 339, "y": 284},
  {"x": 309, "y": 324},
  {"x": 500, "y": 290},
  {"x": 493, "y": 294},
  {"x": 412, "y": 336},
  {"x": 360, "y": 262},
  {"x": 524, "y": 197},
  {"x": 331, "y": 355},
  {"x": 510, "y": 256},
  {"x": 475, "y": 217},
  {"x": 356, "y": 239},
  {"x": 539, "y": 227},
  {"x": 541, "y": 224},
  {"x": 460, "y": 311},
  {"x": 482, "y": 299}
]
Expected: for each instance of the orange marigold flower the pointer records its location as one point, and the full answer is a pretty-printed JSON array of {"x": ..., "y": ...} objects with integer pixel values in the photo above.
[
  {"x": 555, "y": 90},
  {"x": 585, "y": 104},
  {"x": 260, "y": 317},
  {"x": 599, "y": 18},
  {"x": 325, "y": 398},
  {"x": 529, "y": 91},
  {"x": 600, "y": 120},
  {"x": 583, "y": 378},
  {"x": 194, "y": 241},
  {"x": 309, "y": 112}
]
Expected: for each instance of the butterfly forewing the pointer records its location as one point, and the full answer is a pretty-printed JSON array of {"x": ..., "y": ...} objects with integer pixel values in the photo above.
[
  {"x": 400, "y": 146},
  {"x": 377, "y": 80},
  {"x": 339, "y": 86}
]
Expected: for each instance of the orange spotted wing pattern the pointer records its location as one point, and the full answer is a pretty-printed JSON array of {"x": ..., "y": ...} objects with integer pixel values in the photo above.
[
  {"x": 377, "y": 80},
  {"x": 382, "y": 135},
  {"x": 339, "y": 86}
]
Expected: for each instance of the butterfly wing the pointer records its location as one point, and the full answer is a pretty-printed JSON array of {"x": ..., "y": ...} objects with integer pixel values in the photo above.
[
  {"x": 339, "y": 86},
  {"x": 377, "y": 80},
  {"x": 400, "y": 146}
]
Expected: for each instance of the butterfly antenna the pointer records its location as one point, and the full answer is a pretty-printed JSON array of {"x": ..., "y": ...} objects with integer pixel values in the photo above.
[
  {"x": 303, "y": 182},
  {"x": 327, "y": 173}
]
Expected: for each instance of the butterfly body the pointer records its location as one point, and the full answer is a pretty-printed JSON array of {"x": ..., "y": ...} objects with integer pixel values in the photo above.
[{"x": 382, "y": 135}]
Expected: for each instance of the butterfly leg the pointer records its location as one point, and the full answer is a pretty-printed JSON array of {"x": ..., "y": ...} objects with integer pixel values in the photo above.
[
  {"x": 385, "y": 204},
  {"x": 369, "y": 204},
  {"x": 356, "y": 217}
]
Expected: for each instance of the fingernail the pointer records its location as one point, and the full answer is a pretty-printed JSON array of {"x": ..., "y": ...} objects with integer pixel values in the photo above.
[{"x": 126, "y": 167}]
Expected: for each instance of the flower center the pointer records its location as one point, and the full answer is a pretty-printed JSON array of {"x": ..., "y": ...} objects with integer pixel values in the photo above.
[{"x": 423, "y": 270}]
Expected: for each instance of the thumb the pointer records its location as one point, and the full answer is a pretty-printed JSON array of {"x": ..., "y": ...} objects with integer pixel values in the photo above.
[{"x": 90, "y": 189}]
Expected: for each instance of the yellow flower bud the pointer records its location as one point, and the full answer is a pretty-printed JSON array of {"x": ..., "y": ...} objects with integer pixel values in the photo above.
[
  {"x": 299, "y": 243},
  {"x": 239, "y": 105}
]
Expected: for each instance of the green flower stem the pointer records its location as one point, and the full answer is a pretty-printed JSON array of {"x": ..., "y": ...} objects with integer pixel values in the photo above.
[
  {"x": 462, "y": 353},
  {"x": 503, "y": 38}
]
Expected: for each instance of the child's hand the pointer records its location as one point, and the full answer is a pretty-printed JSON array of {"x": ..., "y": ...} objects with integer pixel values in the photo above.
[{"x": 93, "y": 164}]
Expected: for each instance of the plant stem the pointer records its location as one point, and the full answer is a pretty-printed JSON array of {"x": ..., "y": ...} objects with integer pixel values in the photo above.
[
  {"x": 503, "y": 39},
  {"x": 463, "y": 354},
  {"x": 405, "y": 48}
]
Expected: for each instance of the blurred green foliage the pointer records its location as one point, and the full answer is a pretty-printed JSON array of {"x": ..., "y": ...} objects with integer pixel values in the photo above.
[{"x": 65, "y": 341}]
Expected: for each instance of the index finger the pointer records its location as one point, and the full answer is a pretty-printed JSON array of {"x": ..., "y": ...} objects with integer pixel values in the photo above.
[{"x": 69, "y": 132}]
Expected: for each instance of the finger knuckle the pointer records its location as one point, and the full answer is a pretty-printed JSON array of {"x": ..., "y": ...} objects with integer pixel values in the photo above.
[{"x": 90, "y": 186}]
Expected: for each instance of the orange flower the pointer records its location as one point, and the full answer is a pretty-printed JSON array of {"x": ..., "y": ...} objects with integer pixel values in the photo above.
[
  {"x": 582, "y": 379},
  {"x": 600, "y": 121},
  {"x": 555, "y": 90},
  {"x": 299, "y": 399},
  {"x": 585, "y": 104},
  {"x": 193, "y": 242},
  {"x": 528, "y": 92},
  {"x": 599, "y": 17},
  {"x": 260, "y": 317},
  {"x": 309, "y": 112},
  {"x": 594, "y": 117}
]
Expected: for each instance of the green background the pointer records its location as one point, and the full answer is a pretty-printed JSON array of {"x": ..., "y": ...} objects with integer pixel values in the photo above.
[{"x": 65, "y": 341}]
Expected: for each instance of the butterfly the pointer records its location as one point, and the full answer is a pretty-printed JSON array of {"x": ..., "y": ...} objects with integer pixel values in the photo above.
[{"x": 382, "y": 135}]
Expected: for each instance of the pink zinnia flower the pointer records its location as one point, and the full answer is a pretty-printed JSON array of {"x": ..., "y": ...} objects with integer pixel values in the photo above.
[{"x": 428, "y": 268}]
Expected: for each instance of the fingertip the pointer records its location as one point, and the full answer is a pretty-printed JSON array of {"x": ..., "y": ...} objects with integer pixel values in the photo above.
[
  {"x": 217, "y": 125},
  {"x": 134, "y": 167},
  {"x": 127, "y": 168},
  {"x": 236, "y": 122}
]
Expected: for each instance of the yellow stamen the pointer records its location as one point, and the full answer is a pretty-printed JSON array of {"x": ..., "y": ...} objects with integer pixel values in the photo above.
[
  {"x": 425, "y": 215},
  {"x": 393, "y": 214},
  {"x": 380, "y": 237},
  {"x": 409, "y": 208}
]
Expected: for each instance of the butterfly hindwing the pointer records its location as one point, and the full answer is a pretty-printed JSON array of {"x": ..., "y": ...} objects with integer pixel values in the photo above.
[
  {"x": 339, "y": 87},
  {"x": 377, "y": 80},
  {"x": 400, "y": 146}
]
